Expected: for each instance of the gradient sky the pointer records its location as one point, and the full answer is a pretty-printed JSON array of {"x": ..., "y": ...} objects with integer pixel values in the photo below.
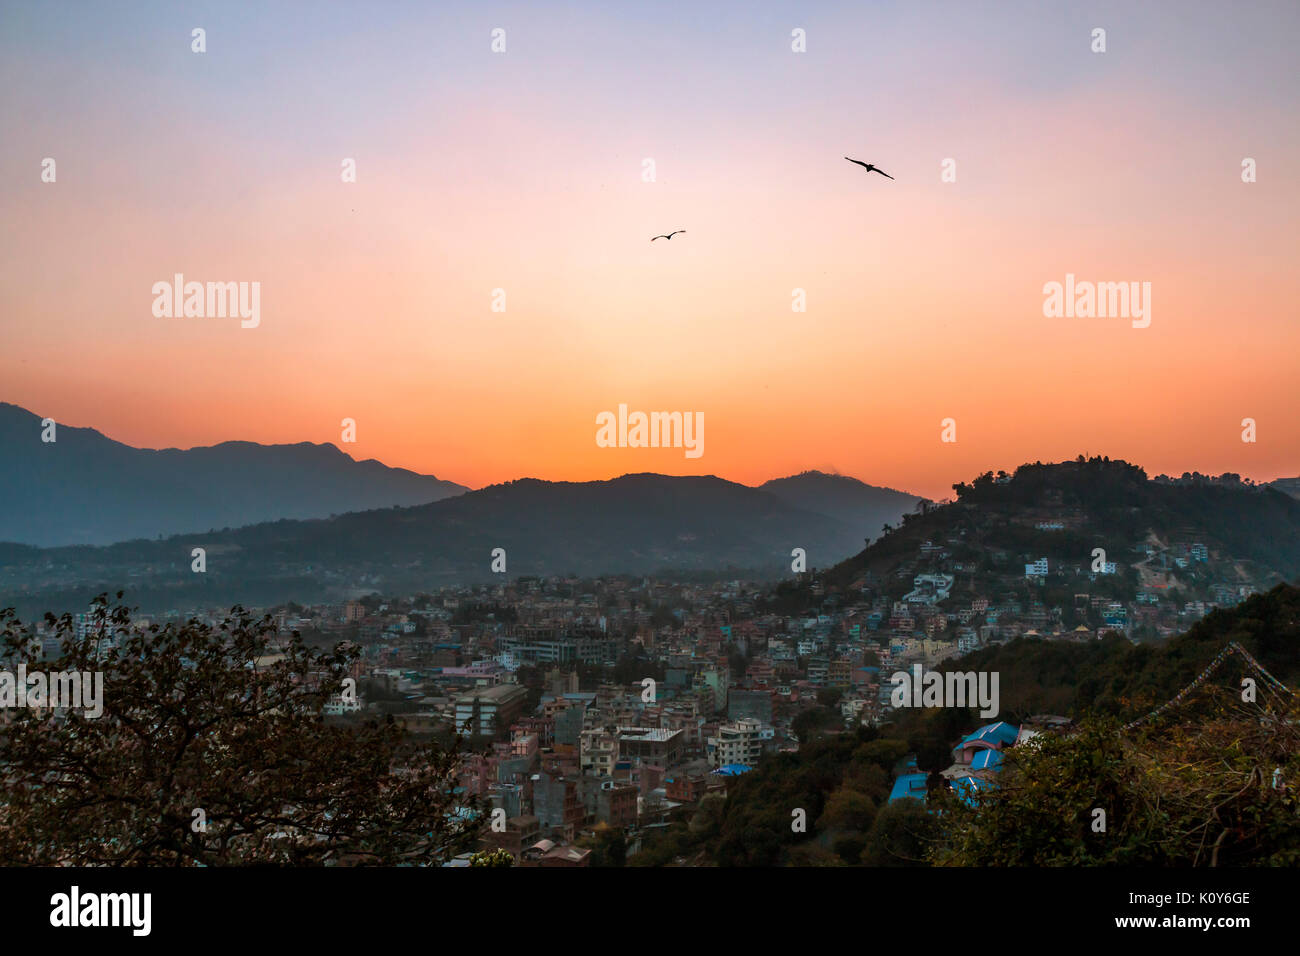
[{"x": 522, "y": 171}]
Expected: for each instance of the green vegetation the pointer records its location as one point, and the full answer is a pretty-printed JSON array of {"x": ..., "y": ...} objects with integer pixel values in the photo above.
[
  {"x": 1113, "y": 677},
  {"x": 1109, "y": 504},
  {"x": 497, "y": 857},
  {"x": 1211, "y": 782},
  {"x": 1201, "y": 793}
]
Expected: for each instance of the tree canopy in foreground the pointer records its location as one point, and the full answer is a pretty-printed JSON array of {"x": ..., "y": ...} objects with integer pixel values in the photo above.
[{"x": 212, "y": 750}]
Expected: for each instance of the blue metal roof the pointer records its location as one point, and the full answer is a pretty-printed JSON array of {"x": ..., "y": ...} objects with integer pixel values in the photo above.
[
  {"x": 987, "y": 760},
  {"x": 999, "y": 733},
  {"x": 909, "y": 785},
  {"x": 733, "y": 769}
]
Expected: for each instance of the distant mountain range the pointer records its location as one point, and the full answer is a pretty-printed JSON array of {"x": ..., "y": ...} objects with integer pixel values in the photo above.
[
  {"x": 1289, "y": 485},
  {"x": 307, "y": 522},
  {"x": 635, "y": 524},
  {"x": 85, "y": 488},
  {"x": 863, "y": 507},
  {"x": 304, "y": 521}
]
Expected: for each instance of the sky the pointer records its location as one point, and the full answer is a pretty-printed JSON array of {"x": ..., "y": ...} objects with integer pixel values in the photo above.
[{"x": 523, "y": 171}]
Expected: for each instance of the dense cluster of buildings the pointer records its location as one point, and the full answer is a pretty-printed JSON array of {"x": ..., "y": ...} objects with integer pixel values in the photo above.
[{"x": 606, "y": 703}]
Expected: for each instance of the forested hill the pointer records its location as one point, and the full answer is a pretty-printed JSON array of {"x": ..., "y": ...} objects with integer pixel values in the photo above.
[
  {"x": 1066, "y": 510},
  {"x": 1112, "y": 676}
]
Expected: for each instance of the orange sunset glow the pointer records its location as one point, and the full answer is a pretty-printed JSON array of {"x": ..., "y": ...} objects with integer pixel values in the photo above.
[{"x": 524, "y": 173}]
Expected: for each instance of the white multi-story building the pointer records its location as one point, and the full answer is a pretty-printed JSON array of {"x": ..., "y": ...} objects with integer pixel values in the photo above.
[
  {"x": 488, "y": 710},
  {"x": 738, "y": 742},
  {"x": 337, "y": 706},
  {"x": 598, "y": 751},
  {"x": 929, "y": 588},
  {"x": 1037, "y": 569}
]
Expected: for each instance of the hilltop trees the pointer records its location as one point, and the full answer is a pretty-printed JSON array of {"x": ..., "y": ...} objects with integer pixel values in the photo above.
[
  {"x": 211, "y": 750},
  {"x": 1099, "y": 479}
]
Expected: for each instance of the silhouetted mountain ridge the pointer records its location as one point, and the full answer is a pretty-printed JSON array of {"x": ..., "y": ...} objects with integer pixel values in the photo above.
[
  {"x": 641, "y": 523},
  {"x": 867, "y": 507},
  {"x": 1290, "y": 486},
  {"x": 86, "y": 488}
]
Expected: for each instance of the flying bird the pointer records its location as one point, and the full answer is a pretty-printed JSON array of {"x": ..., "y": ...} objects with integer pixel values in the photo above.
[
  {"x": 869, "y": 168},
  {"x": 670, "y": 235}
]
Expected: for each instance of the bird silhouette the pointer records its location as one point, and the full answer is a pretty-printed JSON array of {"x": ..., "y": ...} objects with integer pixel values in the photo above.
[
  {"x": 869, "y": 168},
  {"x": 669, "y": 236}
]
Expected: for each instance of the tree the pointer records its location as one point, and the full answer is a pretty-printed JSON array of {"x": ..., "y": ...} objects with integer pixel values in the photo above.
[
  {"x": 830, "y": 696},
  {"x": 754, "y": 846},
  {"x": 902, "y": 834},
  {"x": 707, "y": 821},
  {"x": 211, "y": 749},
  {"x": 497, "y": 857},
  {"x": 847, "y": 811},
  {"x": 1216, "y": 789},
  {"x": 807, "y": 722},
  {"x": 610, "y": 848}
]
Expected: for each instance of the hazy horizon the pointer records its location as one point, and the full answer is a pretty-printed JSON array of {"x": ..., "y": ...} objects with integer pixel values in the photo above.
[{"x": 343, "y": 447}]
